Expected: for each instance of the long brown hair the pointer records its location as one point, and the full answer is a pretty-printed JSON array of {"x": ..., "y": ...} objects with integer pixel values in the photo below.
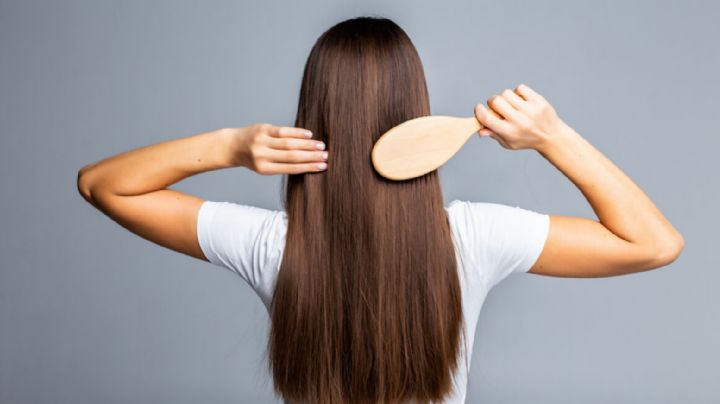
[{"x": 367, "y": 305}]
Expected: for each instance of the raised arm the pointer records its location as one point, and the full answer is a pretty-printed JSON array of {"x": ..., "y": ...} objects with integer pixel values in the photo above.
[
  {"x": 132, "y": 187},
  {"x": 631, "y": 235}
]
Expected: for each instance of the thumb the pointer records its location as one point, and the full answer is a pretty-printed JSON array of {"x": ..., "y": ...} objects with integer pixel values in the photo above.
[{"x": 485, "y": 132}]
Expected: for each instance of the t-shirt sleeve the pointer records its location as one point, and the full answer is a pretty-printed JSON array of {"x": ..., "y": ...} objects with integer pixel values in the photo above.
[
  {"x": 237, "y": 237},
  {"x": 504, "y": 239}
]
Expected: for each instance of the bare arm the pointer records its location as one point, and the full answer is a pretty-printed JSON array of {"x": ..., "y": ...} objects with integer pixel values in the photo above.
[
  {"x": 132, "y": 187},
  {"x": 634, "y": 229},
  {"x": 631, "y": 234}
]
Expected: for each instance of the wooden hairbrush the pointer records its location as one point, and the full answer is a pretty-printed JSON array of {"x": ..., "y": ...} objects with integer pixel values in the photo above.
[{"x": 420, "y": 145}]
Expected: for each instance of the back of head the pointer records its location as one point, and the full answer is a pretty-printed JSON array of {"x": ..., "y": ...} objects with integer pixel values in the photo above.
[{"x": 367, "y": 304}]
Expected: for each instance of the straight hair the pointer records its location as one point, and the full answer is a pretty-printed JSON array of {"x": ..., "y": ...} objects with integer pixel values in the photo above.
[{"x": 367, "y": 305}]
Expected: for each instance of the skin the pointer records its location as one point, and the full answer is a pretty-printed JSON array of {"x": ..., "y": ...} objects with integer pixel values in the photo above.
[{"x": 631, "y": 235}]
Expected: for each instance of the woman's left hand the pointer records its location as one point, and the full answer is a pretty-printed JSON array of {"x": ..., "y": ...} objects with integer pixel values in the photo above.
[{"x": 268, "y": 149}]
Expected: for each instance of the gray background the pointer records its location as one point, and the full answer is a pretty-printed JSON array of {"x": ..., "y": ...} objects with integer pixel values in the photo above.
[{"x": 91, "y": 313}]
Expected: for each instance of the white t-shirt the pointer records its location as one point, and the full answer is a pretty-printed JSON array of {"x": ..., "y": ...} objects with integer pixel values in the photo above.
[{"x": 492, "y": 241}]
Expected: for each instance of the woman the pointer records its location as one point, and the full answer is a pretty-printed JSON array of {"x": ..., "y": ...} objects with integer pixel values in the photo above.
[{"x": 374, "y": 287}]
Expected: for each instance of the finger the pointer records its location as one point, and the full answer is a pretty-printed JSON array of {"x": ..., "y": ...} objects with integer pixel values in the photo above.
[
  {"x": 528, "y": 93},
  {"x": 503, "y": 107},
  {"x": 290, "y": 131},
  {"x": 515, "y": 100},
  {"x": 285, "y": 168},
  {"x": 286, "y": 143},
  {"x": 485, "y": 132},
  {"x": 491, "y": 119},
  {"x": 493, "y": 113},
  {"x": 500, "y": 140},
  {"x": 297, "y": 156}
]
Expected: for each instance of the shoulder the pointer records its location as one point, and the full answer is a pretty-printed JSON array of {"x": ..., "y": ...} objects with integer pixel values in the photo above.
[
  {"x": 466, "y": 215},
  {"x": 488, "y": 213},
  {"x": 500, "y": 238},
  {"x": 209, "y": 207},
  {"x": 240, "y": 237},
  {"x": 246, "y": 239},
  {"x": 229, "y": 215}
]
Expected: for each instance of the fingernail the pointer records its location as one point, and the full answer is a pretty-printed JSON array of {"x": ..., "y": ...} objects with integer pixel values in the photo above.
[
  {"x": 325, "y": 155},
  {"x": 320, "y": 146},
  {"x": 308, "y": 134},
  {"x": 322, "y": 166}
]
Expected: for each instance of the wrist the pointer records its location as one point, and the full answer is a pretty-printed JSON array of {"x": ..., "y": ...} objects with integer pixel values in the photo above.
[
  {"x": 232, "y": 146},
  {"x": 557, "y": 138}
]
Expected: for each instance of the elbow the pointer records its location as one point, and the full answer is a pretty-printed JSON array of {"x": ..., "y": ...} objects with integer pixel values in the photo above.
[
  {"x": 671, "y": 252},
  {"x": 84, "y": 186}
]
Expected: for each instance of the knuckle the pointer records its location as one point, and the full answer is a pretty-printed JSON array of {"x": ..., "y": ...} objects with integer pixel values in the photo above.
[
  {"x": 260, "y": 167},
  {"x": 262, "y": 129},
  {"x": 255, "y": 142},
  {"x": 507, "y": 93},
  {"x": 259, "y": 158},
  {"x": 534, "y": 110},
  {"x": 543, "y": 108},
  {"x": 257, "y": 151}
]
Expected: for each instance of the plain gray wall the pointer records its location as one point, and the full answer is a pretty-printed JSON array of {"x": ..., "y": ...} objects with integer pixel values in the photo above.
[{"x": 90, "y": 313}]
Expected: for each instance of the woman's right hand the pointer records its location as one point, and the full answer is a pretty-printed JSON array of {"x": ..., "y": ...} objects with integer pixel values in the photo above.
[
  {"x": 269, "y": 149},
  {"x": 520, "y": 119}
]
